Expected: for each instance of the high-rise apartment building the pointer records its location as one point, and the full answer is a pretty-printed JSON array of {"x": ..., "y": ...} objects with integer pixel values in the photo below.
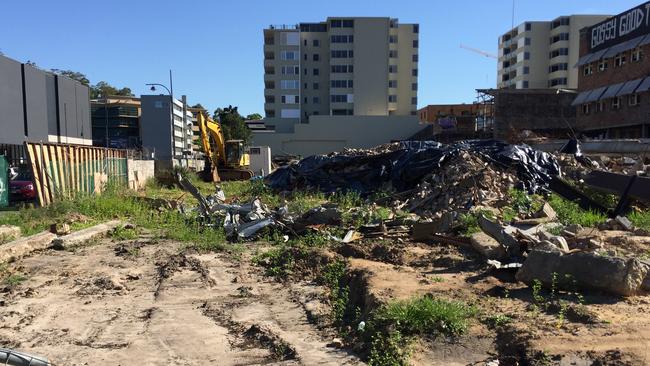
[
  {"x": 344, "y": 66},
  {"x": 542, "y": 54}
]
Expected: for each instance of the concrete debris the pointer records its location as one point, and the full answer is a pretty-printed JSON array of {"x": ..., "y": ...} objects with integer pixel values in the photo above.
[
  {"x": 25, "y": 246},
  {"x": 498, "y": 265},
  {"x": 488, "y": 246},
  {"x": 496, "y": 231},
  {"x": 321, "y": 216},
  {"x": 9, "y": 232},
  {"x": 81, "y": 236},
  {"x": 60, "y": 228},
  {"x": 619, "y": 276}
]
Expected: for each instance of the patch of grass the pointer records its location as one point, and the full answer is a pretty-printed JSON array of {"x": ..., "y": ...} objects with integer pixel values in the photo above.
[
  {"x": 15, "y": 280},
  {"x": 570, "y": 213},
  {"x": 469, "y": 221},
  {"x": 640, "y": 219},
  {"x": 347, "y": 199},
  {"x": 120, "y": 233},
  {"x": 427, "y": 315},
  {"x": 495, "y": 321},
  {"x": 393, "y": 326},
  {"x": 521, "y": 203},
  {"x": 339, "y": 293},
  {"x": 280, "y": 262}
]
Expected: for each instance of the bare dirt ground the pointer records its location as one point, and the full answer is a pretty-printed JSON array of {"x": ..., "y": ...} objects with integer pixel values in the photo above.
[
  {"x": 147, "y": 302},
  {"x": 110, "y": 304}
]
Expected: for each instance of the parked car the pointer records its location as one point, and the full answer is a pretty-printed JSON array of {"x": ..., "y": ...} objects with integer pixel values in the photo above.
[{"x": 21, "y": 187}]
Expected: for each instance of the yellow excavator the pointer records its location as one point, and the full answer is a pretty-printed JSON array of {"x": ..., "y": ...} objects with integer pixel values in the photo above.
[{"x": 225, "y": 160}]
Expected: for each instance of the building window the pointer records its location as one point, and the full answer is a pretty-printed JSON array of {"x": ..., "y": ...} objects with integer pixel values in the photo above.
[
  {"x": 525, "y": 84},
  {"x": 619, "y": 59},
  {"x": 557, "y": 82},
  {"x": 341, "y": 39},
  {"x": 315, "y": 113},
  {"x": 290, "y": 38},
  {"x": 290, "y": 99},
  {"x": 348, "y": 23},
  {"x": 602, "y": 65},
  {"x": 341, "y": 98},
  {"x": 415, "y": 43},
  {"x": 315, "y": 72},
  {"x": 315, "y": 43},
  {"x": 526, "y": 70},
  {"x": 392, "y": 83},
  {"x": 304, "y": 43},
  {"x": 290, "y": 113},
  {"x": 637, "y": 55},
  {"x": 341, "y": 68},
  {"x": 315, "y": 57},
  {"x": 289, "y": 84},
  {"x": 392, "y": 98},
  {"x": 290, "y": 70},
  {"x": 414, "y": 72},
  {"x": 304, "y": 57},
  {"x": 585, "y": 109},
  {"x": 528, "y": 26},
  {"x": 342, "y": 23},
  {"x": 414, "y": 86},
  {"x": 600, "y": 106},
  {"x": 392, "y": 53},
  {"x": 414, "y": 100},
  {"x": 315, "y": 86},
  {"x": 616, "y": 103},
  {"x": 305, "y": 71},
  {"x": 341, "y": 83},
  {"x": 559, "y": 52},
  {"x": 587, "y": 70},
  {"x": 559, "y": 66},
  {"x": 305, "y": 101},
  {"x": 342, "y": 112},
  {"x": 392, "y": 39},
  {"x": 336, "y": 23},
  {"x": 342, "y": 53},
  {"x": 392, "y": 68},
  {"x": 526, "y": 55},
  {"x": 315, "y": 100},
  {"x": 289, "y": 55},
  {"x": 415, "y": 57},
  {"x": 634, "y": 99},
  {"x": 527, "y": 41},
  {"x": 559, "y": 37},
  {"x": 416, "y": 28}
]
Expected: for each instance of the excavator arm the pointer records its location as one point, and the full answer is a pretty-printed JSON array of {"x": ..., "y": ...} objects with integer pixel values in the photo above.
[{"x": 216, "y": 154}]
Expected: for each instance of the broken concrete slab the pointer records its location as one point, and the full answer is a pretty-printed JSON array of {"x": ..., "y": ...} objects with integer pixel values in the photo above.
[
  {"x": 81, "y": 236},
  {"x": 9, "y": 232},
  {"x": 546, "y": 246},
  {"x": 619, "y": 276},
  {"x": 425, "y": 230},
  {"x": 560, "y": 242},
  {"x": 24, "y": 246},
  {"x": 498, "y": 232},
  {"x": 487, "y": 246},
  {"x": 546, "y": 212},
  {"x": 321, "y": 216}
]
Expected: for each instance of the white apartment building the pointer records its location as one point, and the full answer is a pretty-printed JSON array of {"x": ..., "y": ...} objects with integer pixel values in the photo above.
[
  {"x": 542, "y": 54},
  {"x": 341, "y": 67}
]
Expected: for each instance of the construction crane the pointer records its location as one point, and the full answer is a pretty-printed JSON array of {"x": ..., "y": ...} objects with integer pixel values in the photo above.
[
  {"x": 224, "y": 159},
  {"x": 486, "y": 54}
]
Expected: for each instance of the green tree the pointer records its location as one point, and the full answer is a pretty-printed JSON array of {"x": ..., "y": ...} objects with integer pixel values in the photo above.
[
  {"x": 74, "y": 75},
  {"x": 232, "y": 124},
  {"x": 254, "y": 116},
  {"x": 103, "y": 89}
]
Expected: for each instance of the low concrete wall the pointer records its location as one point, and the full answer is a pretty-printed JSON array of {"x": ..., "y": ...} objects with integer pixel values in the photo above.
[
  {"x": 139, "y": 171},
  {"x": 324, "y": 134},
  {"x": 600, "y": 146}
]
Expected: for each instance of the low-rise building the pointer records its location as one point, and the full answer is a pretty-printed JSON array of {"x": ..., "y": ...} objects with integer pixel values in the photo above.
[
  {"x": 119, "y": 117},
  {"x": 37, "y": 105},
  {"x": 450, "y": 121},
  {"x": 614, "y": 82}
]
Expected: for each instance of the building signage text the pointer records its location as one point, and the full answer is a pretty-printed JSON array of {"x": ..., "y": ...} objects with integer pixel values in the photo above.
[{"x": 619, "y": 28}]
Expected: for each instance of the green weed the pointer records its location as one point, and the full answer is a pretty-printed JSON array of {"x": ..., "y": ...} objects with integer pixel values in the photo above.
[
  {"x": 120, "y": 233},
  {"x": 389, "y": 349},
  {"x": 640, "y": 219},
  {"x": 495, "y": 321},
  {"x": 570, "y": 213},
  {"x": 339, "y": 293},
  {"x": 15, "y": 280}
]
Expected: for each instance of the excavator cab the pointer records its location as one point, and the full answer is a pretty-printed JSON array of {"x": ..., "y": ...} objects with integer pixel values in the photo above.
[{"x": 235, "y": 155}]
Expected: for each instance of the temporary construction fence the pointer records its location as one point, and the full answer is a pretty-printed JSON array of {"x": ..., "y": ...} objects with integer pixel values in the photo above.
[{"x": 64, "y": 170}]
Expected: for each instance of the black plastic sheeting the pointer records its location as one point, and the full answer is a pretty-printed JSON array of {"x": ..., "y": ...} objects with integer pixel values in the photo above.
[{"x": 407, "y": 166}]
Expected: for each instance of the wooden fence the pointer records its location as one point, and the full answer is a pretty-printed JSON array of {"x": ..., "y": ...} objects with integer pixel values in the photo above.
[{"x": 62, "y": 171}]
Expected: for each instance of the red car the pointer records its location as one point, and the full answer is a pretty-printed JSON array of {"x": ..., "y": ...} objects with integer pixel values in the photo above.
[{"x": 22, "y": 188}]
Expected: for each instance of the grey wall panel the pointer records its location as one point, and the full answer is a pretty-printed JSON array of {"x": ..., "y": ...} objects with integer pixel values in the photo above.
[
  {"x": 155, "y": 125},
  {"x": 36, "y": 95},
  {"x": 83, "y": 112},
  {"x": 370, "y": 66},
  {"x": 68, "y": 119},
  {"x": 12, "y": 129},
  {"x": 50, "y": 86}
]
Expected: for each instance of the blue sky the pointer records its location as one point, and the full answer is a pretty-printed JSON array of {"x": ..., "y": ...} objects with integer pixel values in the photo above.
[{"x": 215, "y": 47}]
